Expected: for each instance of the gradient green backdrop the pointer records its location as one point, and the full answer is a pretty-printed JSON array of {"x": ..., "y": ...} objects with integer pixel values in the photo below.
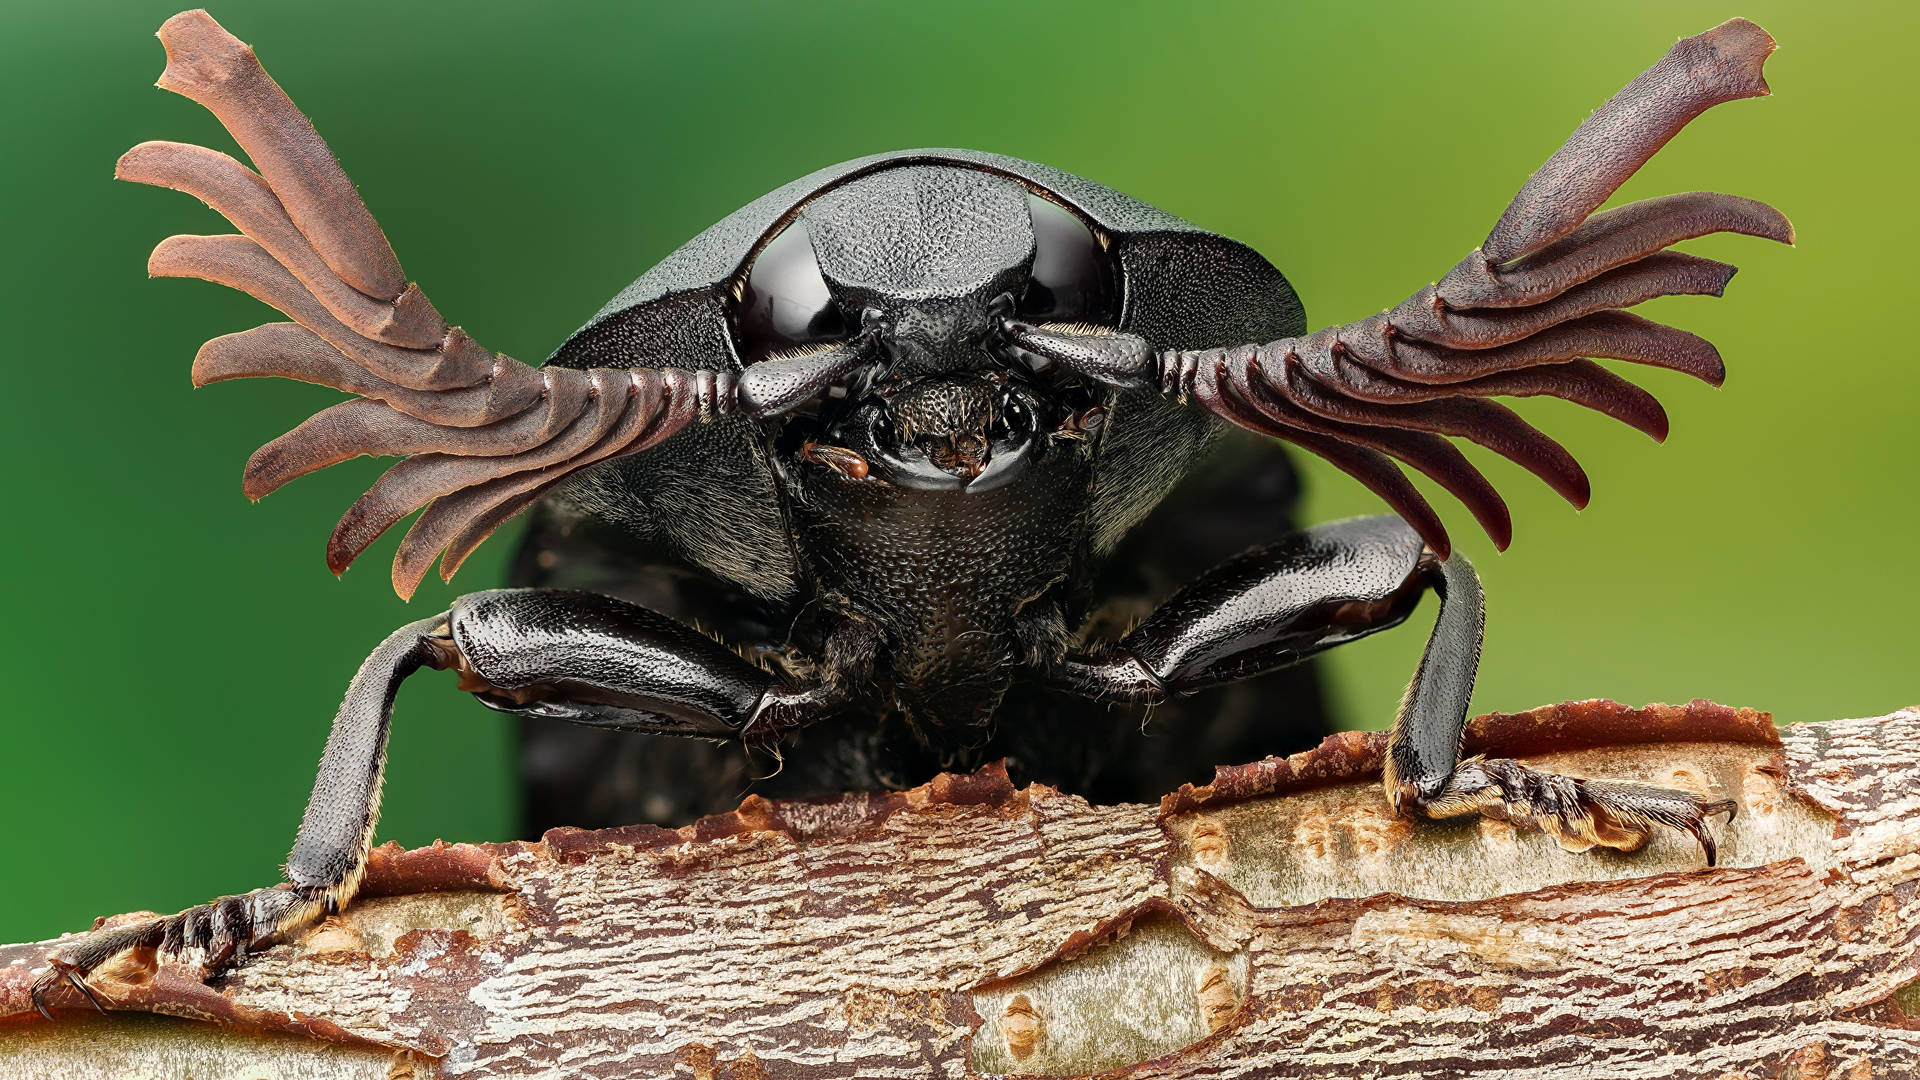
[{"x": 173, "y": 654}]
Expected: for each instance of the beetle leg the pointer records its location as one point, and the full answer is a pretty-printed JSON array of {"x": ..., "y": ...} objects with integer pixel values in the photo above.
[
  {"x": 594, "y": 660},
  {"x": 1278, "y": 605},
  {"x": 576, "y": 656},
  {"x": 1424, "y": 775},
  {"x": 1269, "y": 608},
  {"x": 328, "y": 855}
]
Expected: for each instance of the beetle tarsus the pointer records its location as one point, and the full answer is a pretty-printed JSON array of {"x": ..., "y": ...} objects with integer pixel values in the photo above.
[
  {"x": 215, "y": 935},
  {"x": 1579, "y": 813},
  {"x": 57, "y": 973}
]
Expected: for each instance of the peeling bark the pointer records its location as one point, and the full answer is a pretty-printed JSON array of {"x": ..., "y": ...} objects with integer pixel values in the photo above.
[{"x": 1277, "y": 922}]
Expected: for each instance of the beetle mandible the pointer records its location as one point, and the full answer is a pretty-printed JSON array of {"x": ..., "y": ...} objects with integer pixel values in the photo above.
[{"x": 884, "y": 429}]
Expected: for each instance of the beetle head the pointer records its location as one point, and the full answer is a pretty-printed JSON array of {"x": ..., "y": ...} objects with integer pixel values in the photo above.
[{"x": 924, "y": 265}]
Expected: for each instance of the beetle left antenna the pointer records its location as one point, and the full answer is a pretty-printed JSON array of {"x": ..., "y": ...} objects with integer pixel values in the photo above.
[{"x": 483, "y": 435}]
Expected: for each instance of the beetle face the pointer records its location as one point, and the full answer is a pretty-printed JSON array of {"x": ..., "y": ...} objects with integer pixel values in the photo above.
[{"x": 928, "y": 259}]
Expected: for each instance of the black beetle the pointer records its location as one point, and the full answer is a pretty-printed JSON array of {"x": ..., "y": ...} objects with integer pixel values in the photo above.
[{"x": 884, "y": 429}]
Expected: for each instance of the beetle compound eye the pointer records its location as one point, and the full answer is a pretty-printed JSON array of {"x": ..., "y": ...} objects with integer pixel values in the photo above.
[
  {"x": 785, "y": 301},
  {"x": 1071, "y": 280}
]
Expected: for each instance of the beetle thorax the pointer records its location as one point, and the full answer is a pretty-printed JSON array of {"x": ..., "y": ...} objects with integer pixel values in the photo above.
[{"x": 942, "y": 492}]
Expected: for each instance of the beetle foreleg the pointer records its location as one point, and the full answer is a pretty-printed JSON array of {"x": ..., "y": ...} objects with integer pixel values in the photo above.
[
  {"x": 594, "y": 660},
  {"x": 575, "y": 656},
  {"x": 329, "y": 852},
  {"x": 1264, "y": 610},
  {"x": 1278, "y": 605},
  {"x": 1424, "y": 774}
]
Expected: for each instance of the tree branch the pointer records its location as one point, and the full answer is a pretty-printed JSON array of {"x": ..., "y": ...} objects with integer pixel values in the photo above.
[{"x": 1277, "y": 922}]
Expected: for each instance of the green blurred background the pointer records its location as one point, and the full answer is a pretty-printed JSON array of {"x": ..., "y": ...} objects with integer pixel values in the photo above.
[{"x": 173, "y": 654}]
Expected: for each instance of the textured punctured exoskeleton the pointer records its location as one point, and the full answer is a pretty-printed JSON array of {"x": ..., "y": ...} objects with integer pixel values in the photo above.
[{"x": 885, "y": 430}]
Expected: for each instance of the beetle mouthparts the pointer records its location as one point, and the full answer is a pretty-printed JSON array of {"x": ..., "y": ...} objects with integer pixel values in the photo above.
[{"x": 955, "y": 410}]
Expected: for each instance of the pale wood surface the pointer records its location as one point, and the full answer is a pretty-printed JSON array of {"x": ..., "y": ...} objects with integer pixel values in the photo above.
[{"x": 1276, "y": 923}]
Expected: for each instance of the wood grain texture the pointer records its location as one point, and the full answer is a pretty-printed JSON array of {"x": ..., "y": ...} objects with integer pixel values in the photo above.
[{"x": 1277, "y": 922}]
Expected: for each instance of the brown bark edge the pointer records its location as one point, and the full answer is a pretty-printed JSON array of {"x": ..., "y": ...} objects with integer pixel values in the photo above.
[{"x": 1276, "y": 922}]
